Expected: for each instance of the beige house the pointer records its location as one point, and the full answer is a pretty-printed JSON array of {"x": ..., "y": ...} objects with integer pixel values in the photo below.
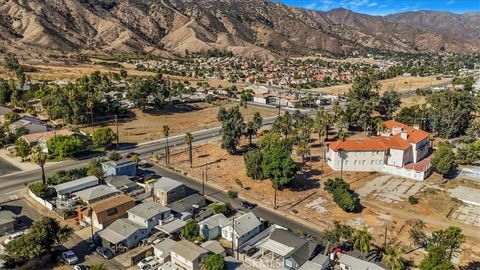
[
  {"x": 188, "y": 256},
  {"x": 105, "y": 212},
  {"x": 167, "y": 191}
]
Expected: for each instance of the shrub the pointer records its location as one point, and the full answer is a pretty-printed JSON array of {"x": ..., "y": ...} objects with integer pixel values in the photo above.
[
  {"x": 220, "y": 208},
  {"x": 333, "y": 184},
  {"x": 232, "y": 194},
  {"x": 41, "y": 191},
  {"x": 191, "y": 230},
  {"x": 342, "y": 195},
  {"x": 412, "y": 200},
  {"x": 239, "y": 183},
  {"x": 67, "y": 176}
]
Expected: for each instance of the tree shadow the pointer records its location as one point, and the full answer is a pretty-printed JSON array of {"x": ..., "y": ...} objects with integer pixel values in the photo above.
[
  {"x": 303, "y": 182},
  {"x": 475, "y": 265},
  {"x": 174, "y": 108}
]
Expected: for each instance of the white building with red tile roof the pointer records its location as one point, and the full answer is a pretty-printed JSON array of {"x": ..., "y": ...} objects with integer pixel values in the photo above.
[{"x": 400, "y": 150}]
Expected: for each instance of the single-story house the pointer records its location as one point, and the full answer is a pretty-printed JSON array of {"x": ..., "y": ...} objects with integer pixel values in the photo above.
[
  {"x": 8, "y": 222},
  {"x": 213, "y": 247},
  {"x": 190, "y": 204},
  {"x": 105, "y": 212},
  {"x": 320, "y": 262},
  {"x": 167, "y": 190},
  {"x": 347, "y": 262},
  {"x": 96, "y": 194},
  {"x": 123, "y": 166},
  {"x": 32, "y": 124},
  {"x": 186, "y": 255},
  {"x": 123, "y": 184},
  {"x": 211, "y": 227},
  {"x": 162, "y": 250},
  {"x": 41, "y": 138},
  {"x": 246, "y": 226},
  {"x": 122, "y": 234},
  {"x": 76, "y": 185}
]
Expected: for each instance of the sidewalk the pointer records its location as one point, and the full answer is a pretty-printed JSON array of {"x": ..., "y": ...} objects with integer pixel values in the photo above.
[{"x": 16, "y": 161}]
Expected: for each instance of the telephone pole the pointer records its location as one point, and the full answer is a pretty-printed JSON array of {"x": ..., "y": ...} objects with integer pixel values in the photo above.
[{"x": 116, "y": 128}]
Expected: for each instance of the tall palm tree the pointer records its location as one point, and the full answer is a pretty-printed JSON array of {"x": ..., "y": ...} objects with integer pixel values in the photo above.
[
  {"x": 379, "y": 126},
  {"x": 392, "y": 257},
  {"x": 283, "y": 124},
  {"x": 188, "y": 141},
  {"x": 303, "y": 149},
  {"x": 166, "y": 133},
  {"x": 40, "y": 158},
  {"x": 250, "y": 130},
  {"x": 90, "y": 106},
  {"x": 362, "y": 240}
]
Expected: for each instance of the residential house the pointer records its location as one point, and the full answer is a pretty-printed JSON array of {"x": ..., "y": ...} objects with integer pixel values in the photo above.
[
  {"x": 8, "y": 222},
  {"x": 167, "y": 190},
  {"x": 188, "y": 256},
  {"x": 211, "y": 227},
  {"x": 242, "y": 229},
  {"x": 76, "y": 185},
  {"x": 148, "y": 215},
  {"x": 96, "y": 194},
  {"x": 214, "y": 247},
  {"x": 123, "y": 184},
  {"x": 41, "y": 138},
  {"x": 162, "y": 249},
  {"x": 123, "y": 166},
  {"x": 190, "y": 204},
  {"x": 122, "y": 234},
  {"x": 105, "y": 212},
  {"x": 294, "y": 250},
  {"x": 347, "y": 262},
  {"x": 32, "y": 124},
  {"x": 320, "y": 262},
  {"x": 400, "y": 150}
]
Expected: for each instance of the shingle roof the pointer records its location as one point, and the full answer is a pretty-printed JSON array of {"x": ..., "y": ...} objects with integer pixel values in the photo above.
[
  {"x": 213, "y": 246},
  {"x": 148, "y": 210},
  {"x": 188, "y": 250},
  {"x": 96, "y": 192},
  {"x": 215, "y": 221},
  {"x": 119, "y": 230},
  {"x": 246, "y": 223},
  {"x": 166, "y": 184},
  {"x": 111, "y": 202},
  {"x": 186, "y": 204},
  {"x": 118, "y": 181},
  {"x": 35, "y": 137}
]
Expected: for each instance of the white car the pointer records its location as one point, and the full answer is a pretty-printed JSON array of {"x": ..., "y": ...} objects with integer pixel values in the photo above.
[
  {"x": 145, "y": 263},
  {"x": 69, "y": 257},
  {"x": 14, "y": 236}
]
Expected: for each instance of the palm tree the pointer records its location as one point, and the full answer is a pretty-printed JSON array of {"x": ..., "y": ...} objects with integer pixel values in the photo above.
[
  {"x": 90, "y": 106},
  {"x": 392, "y": 257},
  {"x": 166, "y": 133},
  {"x": 342, "y": 134},
  {"x": 40, "y": 158},
  {"x": 250, "y": 131},
  {"x": 283, "y": 124},
  {"x": 379, "y": 126},
  {"x": 188, "y": 141},
  {"x": 362, "y": 240},
  {"x": 303, "y": 149}
]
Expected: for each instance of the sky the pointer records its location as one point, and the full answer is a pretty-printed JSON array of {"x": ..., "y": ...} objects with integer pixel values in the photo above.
[{"x": 384, "y": 7}]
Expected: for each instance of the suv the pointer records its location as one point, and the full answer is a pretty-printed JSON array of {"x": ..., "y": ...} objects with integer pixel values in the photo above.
[
  {"x": 106, "y": 253},
  {"x": 145, "y": 263},
  {"x": 247, "y": 205},
  {"x": 69, "y": 257}
]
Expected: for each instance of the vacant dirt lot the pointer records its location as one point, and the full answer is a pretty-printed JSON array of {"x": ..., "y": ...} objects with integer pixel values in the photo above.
[
  {"x": 180, "y": 118},
  {"x": 400, "y": 84}
]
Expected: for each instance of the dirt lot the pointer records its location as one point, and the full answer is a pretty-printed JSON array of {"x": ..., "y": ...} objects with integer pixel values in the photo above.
[
  {"x": 399, "y": 84},
  {"x": 306, "y": 200},
  {"x": 180, "y": 118}
]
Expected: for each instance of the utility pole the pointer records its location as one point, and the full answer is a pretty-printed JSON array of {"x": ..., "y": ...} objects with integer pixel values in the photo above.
[
  {"x": 116, "y": 128},
  {"x": 203, "y": 183}
]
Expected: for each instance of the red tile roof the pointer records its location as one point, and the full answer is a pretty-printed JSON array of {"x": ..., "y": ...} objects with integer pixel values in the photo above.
[
  {"x": 413, "y": 135},
  {"x": 374, "y": 144}
]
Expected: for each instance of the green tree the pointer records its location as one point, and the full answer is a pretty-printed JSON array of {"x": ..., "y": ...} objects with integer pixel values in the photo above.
[
  {"x": 191, "y": 231},
  {"x": 154, "y": 86},
  {"x": 469, "y": 153},
  {"x": 389, "y": 103},
  {"x": 65, "y": 146},
  {"x": 436, "y": 260},
  {"x": 22, "y": 149},
  {"x": 253, "y": 164},
  {"x": 272, "y": 140},
  {"x": 214, "y": 262},
  {"x": 443, "y": 160},
  {"x": 188, "y": 139},
  {"x": 123, "y": 73},
  {"x": 361, "y": 100},
  {"x": 233, "y": 127},
  {"x": 95, "y": 168},
  {"x": 337, "y": 233},
  {"x": 392, "y": 258},
  {"x": 322, "y": 123},
  {"x": 303, "y": 149},
  {"x": 103, "y": 137},
  {"x": 450, "y": 239},
  {"x": 41, "y": 238},
  {"x": 283, "y": 124},
  {"x": 11, "y": 62},
  {"x": 40, "y": 158},
  {"x": 417, "y": 232},
  {"x": 362, "y": 240}
]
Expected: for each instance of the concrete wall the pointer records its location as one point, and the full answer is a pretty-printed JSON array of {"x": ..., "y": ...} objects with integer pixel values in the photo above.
[
  {"x": 356, "y": 160},
  {"x": 43, "y": 202},
  {"x": 420, "y": 176}
]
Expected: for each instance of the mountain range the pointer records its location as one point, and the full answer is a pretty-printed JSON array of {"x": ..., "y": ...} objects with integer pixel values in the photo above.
[{"x": 249, "y": 28}]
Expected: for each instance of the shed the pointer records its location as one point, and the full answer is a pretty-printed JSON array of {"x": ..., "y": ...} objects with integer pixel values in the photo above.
[{"x": 76, "y": 185}]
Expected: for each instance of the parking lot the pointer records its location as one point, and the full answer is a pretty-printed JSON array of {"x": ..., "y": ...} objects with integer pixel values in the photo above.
[{"x": 391, "y": 189}]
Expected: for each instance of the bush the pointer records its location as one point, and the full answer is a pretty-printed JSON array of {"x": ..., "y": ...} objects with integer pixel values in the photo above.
[
  {"x": 220, "y": 208},
  {"x": 342, "y": 195},
  {"x": 412, "y": 200},
  {"x": 191, "y": 231},
  {"x": 103, "y": 137},
  {"x": 232, "y": 194},
  {"x": 333, "y": 184},
  {"x": 67, "y": 176},
  {"x": 239, "y": 183}
]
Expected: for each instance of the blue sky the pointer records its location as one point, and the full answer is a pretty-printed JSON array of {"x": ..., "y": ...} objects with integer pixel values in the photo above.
[{"x": 383, "y": 7}]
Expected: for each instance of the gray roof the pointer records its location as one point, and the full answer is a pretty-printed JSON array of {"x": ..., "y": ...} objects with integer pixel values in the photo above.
[
  {"x": 166, "y": 184},
  {"x": 218, "y": 220},
  {"x": 81, "y": 181},
  {"x": 148, "y": 210},
  {"x": 119, "y": 163},
  {"x": 357, "y": 264},
  {"x": 213, "y": 246},
  {"x": 165, "y": 245},
  {"x": 188, "y": 250},
  {"x": 186, "y": 204},
  {"x": 96, "y": 192},
  {"x": 7, "y": 216},
  {"x": 120, "y": 181},
  {"x": 246, "y": 223},
  {"x": 119, "y": 230}
]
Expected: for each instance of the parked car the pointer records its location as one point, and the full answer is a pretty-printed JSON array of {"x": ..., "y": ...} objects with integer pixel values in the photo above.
[
  {"x": 106, "y": 253},
  {"x": 247, "y": 205},
  {"x": 69, "y": 257},
  {"x": 81, "y": 267},
  {"x": 13, "y": 236},
  {"x": 145, "y": 263}
]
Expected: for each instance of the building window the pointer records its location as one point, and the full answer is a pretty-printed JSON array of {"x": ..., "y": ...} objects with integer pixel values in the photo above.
[{"x": 112, "y": 211}]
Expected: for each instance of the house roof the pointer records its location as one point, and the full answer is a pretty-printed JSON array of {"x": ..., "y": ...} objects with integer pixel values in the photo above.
[
  {"x": 213, "y": 246},
  {"x": 119, "y": 230},
  {"x": 358, "y": 145},
  {"x": 96, "y": 192},
  {"x": 119, "y": 181},
  {"x": 110, "y": 203},
  {"x": 7, "y": 216},
  {"x": 45, "y": 136},
  {"x": 165, "y": 245},
  {"x": 167, "y": 184},
  {"x": 413, "y": 135},
  {"x": 119, "y": 163},
  {"x": 148, "y": 210},
  {"x": 79, "y": 182},
  {"x": 218, "y": 220},
  {"x": 188, "y": 250},
  {"x": 246, "y": 223},
  {"x": 186, "y": 204},
  {"x": 357, "y": 264}
]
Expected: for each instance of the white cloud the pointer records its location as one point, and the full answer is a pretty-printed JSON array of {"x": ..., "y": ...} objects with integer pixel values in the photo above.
[{"x": 451, "y": 2}]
